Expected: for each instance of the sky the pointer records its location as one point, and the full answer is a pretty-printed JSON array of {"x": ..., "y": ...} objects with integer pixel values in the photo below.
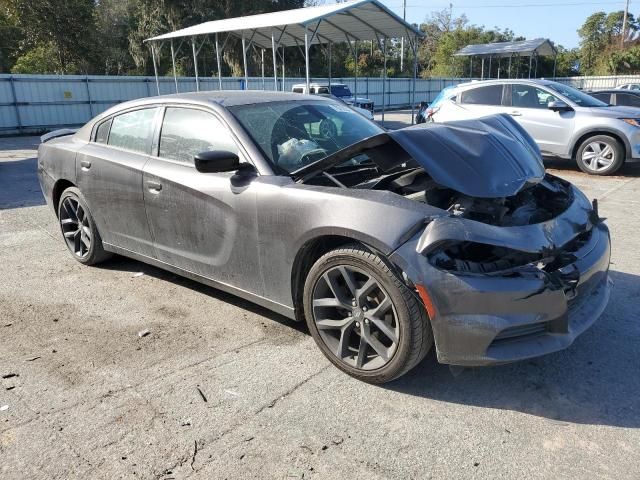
[{"x": 557, "y": 20}]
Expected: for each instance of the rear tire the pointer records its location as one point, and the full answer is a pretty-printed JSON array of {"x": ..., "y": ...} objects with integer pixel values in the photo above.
[
  {"x": 79, "y": 230},
  {"x": 356, "y": 306},
  {"x": 600, "y": 155}
]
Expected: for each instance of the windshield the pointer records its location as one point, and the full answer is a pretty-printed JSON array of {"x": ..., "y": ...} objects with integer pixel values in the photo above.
[
  {"x": 294, "y": 134},
  {"x": 576, "y": 96},
  {"x": 340, "y": 91}
]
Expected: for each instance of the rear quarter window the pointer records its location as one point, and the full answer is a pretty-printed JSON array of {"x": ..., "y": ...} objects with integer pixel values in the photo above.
[{"x": 102, "y": 132}]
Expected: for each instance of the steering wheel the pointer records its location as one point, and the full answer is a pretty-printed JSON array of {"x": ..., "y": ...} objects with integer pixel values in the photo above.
[{"x": 328, "y": 129}]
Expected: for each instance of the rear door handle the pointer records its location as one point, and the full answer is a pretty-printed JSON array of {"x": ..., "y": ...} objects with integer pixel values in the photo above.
[
  {"x": 154, "y": 187},
  {"x": 515, "y": 113},
  {"x": 85, "y": 164}
]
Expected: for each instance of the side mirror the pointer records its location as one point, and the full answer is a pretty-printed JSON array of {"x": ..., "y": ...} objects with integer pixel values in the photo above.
[
  {"x": 214, "y": 161},
  {"x": 558, "y": 106}
]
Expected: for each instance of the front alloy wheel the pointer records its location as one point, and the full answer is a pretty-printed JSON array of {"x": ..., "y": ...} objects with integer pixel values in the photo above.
[
  {"x": 355, "y": 317},
  {"x": 363, "y": 317}
]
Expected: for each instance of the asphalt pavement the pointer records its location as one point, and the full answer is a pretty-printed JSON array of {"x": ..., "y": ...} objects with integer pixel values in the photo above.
[{"x": 126, "y": 371}]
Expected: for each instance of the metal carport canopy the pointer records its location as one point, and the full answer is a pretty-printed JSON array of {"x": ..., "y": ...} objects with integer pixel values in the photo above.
[
  {"x": 355, "y": 20},
  {"x": 539, "y": 46}
]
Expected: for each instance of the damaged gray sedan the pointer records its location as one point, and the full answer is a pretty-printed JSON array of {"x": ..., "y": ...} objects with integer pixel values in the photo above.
[{"x": 385, "y": 243}]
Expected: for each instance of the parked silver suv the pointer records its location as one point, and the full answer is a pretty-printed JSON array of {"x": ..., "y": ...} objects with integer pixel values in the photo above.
[{"x": 563, "y": 121}]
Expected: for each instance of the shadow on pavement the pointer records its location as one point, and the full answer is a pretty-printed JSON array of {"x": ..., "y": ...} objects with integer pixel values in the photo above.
[
  {"x": 124, "y": 264},
  {"x": 19, "y": 186},
  {"x": 595, "y": 381}
]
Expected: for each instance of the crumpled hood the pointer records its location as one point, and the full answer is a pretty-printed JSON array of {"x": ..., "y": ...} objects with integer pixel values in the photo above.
[{"x": 490, "y": 157}]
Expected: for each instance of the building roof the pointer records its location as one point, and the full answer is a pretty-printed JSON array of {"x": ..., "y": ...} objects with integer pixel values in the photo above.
[
  {"x": 354, "y": 20},
  {"x": 540, "y": 46}
]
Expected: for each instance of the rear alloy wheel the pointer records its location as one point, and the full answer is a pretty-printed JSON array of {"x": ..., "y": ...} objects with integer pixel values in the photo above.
[
  {"x": 600, "y": 155},
  {"x": 363, "y": 317},
  {"x": 78, "y": 228}
]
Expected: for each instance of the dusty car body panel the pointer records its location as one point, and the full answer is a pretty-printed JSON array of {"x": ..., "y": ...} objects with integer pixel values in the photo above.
[{"x": 478, "y": 182}]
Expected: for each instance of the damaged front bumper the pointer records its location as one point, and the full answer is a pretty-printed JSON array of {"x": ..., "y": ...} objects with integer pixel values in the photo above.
[{"x": 523, "y": 312}]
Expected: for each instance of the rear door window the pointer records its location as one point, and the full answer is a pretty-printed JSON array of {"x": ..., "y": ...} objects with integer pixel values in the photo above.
[
  {"x": 489, "y": 95},
  {"x": 133, "y": 130},
  {"x": 188, "y": 131}
]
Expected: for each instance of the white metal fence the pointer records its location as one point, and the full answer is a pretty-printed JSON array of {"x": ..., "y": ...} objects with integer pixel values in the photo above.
[{"x": 34, "y": 103}]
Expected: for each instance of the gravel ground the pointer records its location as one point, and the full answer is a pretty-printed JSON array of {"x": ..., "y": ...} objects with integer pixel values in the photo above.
[{"x": 221, "y": 388}]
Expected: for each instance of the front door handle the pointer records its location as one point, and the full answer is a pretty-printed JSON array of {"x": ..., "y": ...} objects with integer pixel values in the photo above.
[
  {"x": 515, "y": 113},
  {"x": 85, "y": 164},
  {"x": 154, "y": 187}
]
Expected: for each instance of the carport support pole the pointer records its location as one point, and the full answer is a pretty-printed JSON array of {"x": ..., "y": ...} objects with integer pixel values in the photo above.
[
  {"x": 509, "y": 70},
  {"x": 471, "y": 67},
  {"x": 555, "y": 57},
  {"x": 155, "y": 67},
  {"x": 283, "y": 68},
  {"x": 329, "y": 67},
  {"x": 218, "y": 61},
  {"x": 262, "y": 53},
  {"x": 415, "y": 75},
  {"x": 384, "y": 76},
  {"x": 355, "y": 89},
  {"x": 173, "y": 63},
  {"x": 195, "y": 64},
  {"x": 530, "y": 61},
  {"x": 306, "y": 59},
  {"x": 275, "y": 62},
  {"x": 489, "y": 76},
  {"x": 244, "y": 61},
  {"x": 482, "y": 70}
]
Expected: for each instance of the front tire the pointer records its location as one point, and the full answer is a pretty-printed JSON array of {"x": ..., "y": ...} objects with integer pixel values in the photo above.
[
  {"x": 600, "y": 155},
  {"x": 363, "y": 317},
  {"x": 79, "y": 229}
]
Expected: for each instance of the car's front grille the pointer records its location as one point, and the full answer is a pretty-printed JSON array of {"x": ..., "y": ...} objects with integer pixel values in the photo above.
[{"x": 517, "y": 333}]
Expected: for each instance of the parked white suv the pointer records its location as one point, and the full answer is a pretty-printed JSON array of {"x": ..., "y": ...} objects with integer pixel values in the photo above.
[
  {"x": 563, "y": 121},
  {"x": 339, "y": 90}
]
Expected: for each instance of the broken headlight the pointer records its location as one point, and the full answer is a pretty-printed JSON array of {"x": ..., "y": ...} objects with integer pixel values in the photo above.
[{"x": 473, "y": 257}]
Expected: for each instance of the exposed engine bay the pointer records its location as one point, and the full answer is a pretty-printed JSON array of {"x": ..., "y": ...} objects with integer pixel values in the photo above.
[{"x": 535, "y": 203}]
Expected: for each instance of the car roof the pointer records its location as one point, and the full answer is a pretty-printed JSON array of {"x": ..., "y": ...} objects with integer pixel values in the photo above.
[
  {"x": 319, "y": 84},
  {"x": 223, "y": 98},
  {"x": 502, "y": 81}
]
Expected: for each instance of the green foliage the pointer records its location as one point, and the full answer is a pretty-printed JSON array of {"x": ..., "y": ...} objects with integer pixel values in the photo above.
[
  {"x": 602, "y": 47},
  {"x": 10, "y": 38},
  {"x": 40, "y": 59}
]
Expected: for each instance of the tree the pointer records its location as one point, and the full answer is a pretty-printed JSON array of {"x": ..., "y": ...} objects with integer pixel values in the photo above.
[
  {"x": 10, "y": 38},
  {"x": 600, "y": 42},
  {"x": 67, "y": 28}
]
